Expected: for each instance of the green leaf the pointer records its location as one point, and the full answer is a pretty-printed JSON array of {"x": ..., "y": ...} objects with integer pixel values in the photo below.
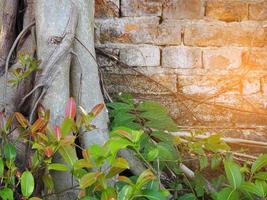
[
  {"x": 6, "y": 194},
  {"x": 1, "y": 167},
  {"x": 10, "y": 151},
  {"x": 27, "y": 184},
  {"x": 120, "y": 106},
  {"x": 162, "y": 123},
  {"x": 68, "y": 154},
  {"x": 82, "y": 163},
  {"x": 188, "y": 196},
  {"x": 259, "y": 163},
  {"x": 152, "y": 154},
  {"x": 95, "y": 151},
  {"x": 89, "y": 179},
  {"x": 233, "y": 174},
  {"x": 125, "y": 180},
  {"x": 262, "y": 187},
  {"x": 215, "y": 161},
  {"x": 261, "y": 176},
  {"x": 120, "y": 163},
  {"x": 167, "y": 152},
  {"x": 122, "y": 132},
  {"x": 228, "y": 194},
  {"x": 153, "y": 185},
  {"x": 88, "y": 198},
  {"x": 57, "y": 167},
  {"x": 108, "y": 194},
  {"x": 79, "y": 173},
  {"x": 163, "y": 136},
  {"x": 48, "y": 182},
  {"x": 152, "y": 106},
  {"x": 126, "y": 98},
  {"x": 66, "y": 126},
  {"x": 116, "y": 144},
  {"x": 35, "y": 198},
  {"x": 203, "y": 162},
  {"x": 118, "y": 166},
  {"x": 125, "y": 193},
  {"x": 144, "y": 178},
  {"x": 122, "y": 119},
  {"x": 153, "y": 195},
  {"x": 252, "y": 188}
]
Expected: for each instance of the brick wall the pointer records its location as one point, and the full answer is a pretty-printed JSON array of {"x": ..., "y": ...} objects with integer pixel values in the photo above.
[{"x": 209, "y": 55}]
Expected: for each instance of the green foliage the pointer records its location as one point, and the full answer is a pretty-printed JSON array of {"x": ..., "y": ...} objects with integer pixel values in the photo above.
[
  {"x": 27, "y": 184},
  {"x": 163, "y": 152},
  {"x": 142, "y": 115},
  {"x": 144, "y": 128},
  {"x": 27, "y": 66}
]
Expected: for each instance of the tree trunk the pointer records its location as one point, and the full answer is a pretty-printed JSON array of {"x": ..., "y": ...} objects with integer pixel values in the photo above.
[{"x": 65, "y": 45}]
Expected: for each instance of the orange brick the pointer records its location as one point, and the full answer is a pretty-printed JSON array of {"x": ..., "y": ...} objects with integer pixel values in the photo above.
[
  {"x": 183, "y": 9},
  {"x": 255, "y": 59},
  {"x": 258, "y": 11},
  {"x": 143, "y": 30},
  {"x": 251, "y": 85},
  {"x": 106, "y": 8},
  {"x": 133, "y": 8},
  {"x": 181, "y": 57},
  {"x": 206, "y": 84},
  {"x": 204, "y": 33},
  {"x": 222, "y": 58},
  {"x": 227, "y": 10}
]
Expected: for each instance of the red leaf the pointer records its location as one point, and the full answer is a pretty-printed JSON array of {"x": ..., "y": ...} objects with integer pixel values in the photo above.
[
  {"x": 18, "y": 174},
  {"x": 97, "y": 109},
  {"x": 22, "y": 120},
  {"x": 70, "y": 110},
  {"x": 58, "y": 133},
  {"x": 38, "y": 125},
  {"x": 48, "y": 151}
]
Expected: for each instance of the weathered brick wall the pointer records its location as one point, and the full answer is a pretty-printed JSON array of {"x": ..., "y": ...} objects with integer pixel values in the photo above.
[{"x": 210, "y": 55}]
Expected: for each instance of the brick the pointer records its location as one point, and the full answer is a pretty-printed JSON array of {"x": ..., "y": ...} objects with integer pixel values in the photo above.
[
  {"x": 258, "y": 11},
  {"x": 227, "y": 10},
  {"x": 264, "y": 86},
  {"x": 107, "y": 8},
  {"x": 196, "y": 85},
  {"x": 183, "y": 9},
  {"x": 255, "y": 59},
  {"x": 132, "y": 55},
  {"x": 205, "y": 33},
  {"x": 222, "y": 58},
  {"x": 181, "y": 57},
  {"x": 134, "y": 8},
  {"x": 228, "y": 99},
  {"x": 251, "y": 86},
  {"x": 104, "y": 61},
  {"x": 143, "y": 30},
  {"x": 251, "y": 119},
  {"x": 212, "y": 115},
  {"x": 141, "y": 55},
  {"x": 207, "y": 85},
  {"x": 116, "y": 83}
]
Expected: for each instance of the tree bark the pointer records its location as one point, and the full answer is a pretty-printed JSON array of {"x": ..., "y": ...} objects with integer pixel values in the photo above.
[
  {"x": 84, "y": 73},
  {"x": 58, "y": 20},
  {"x": 8, "y": 31},
  {"x": 65, "y": 45}
]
